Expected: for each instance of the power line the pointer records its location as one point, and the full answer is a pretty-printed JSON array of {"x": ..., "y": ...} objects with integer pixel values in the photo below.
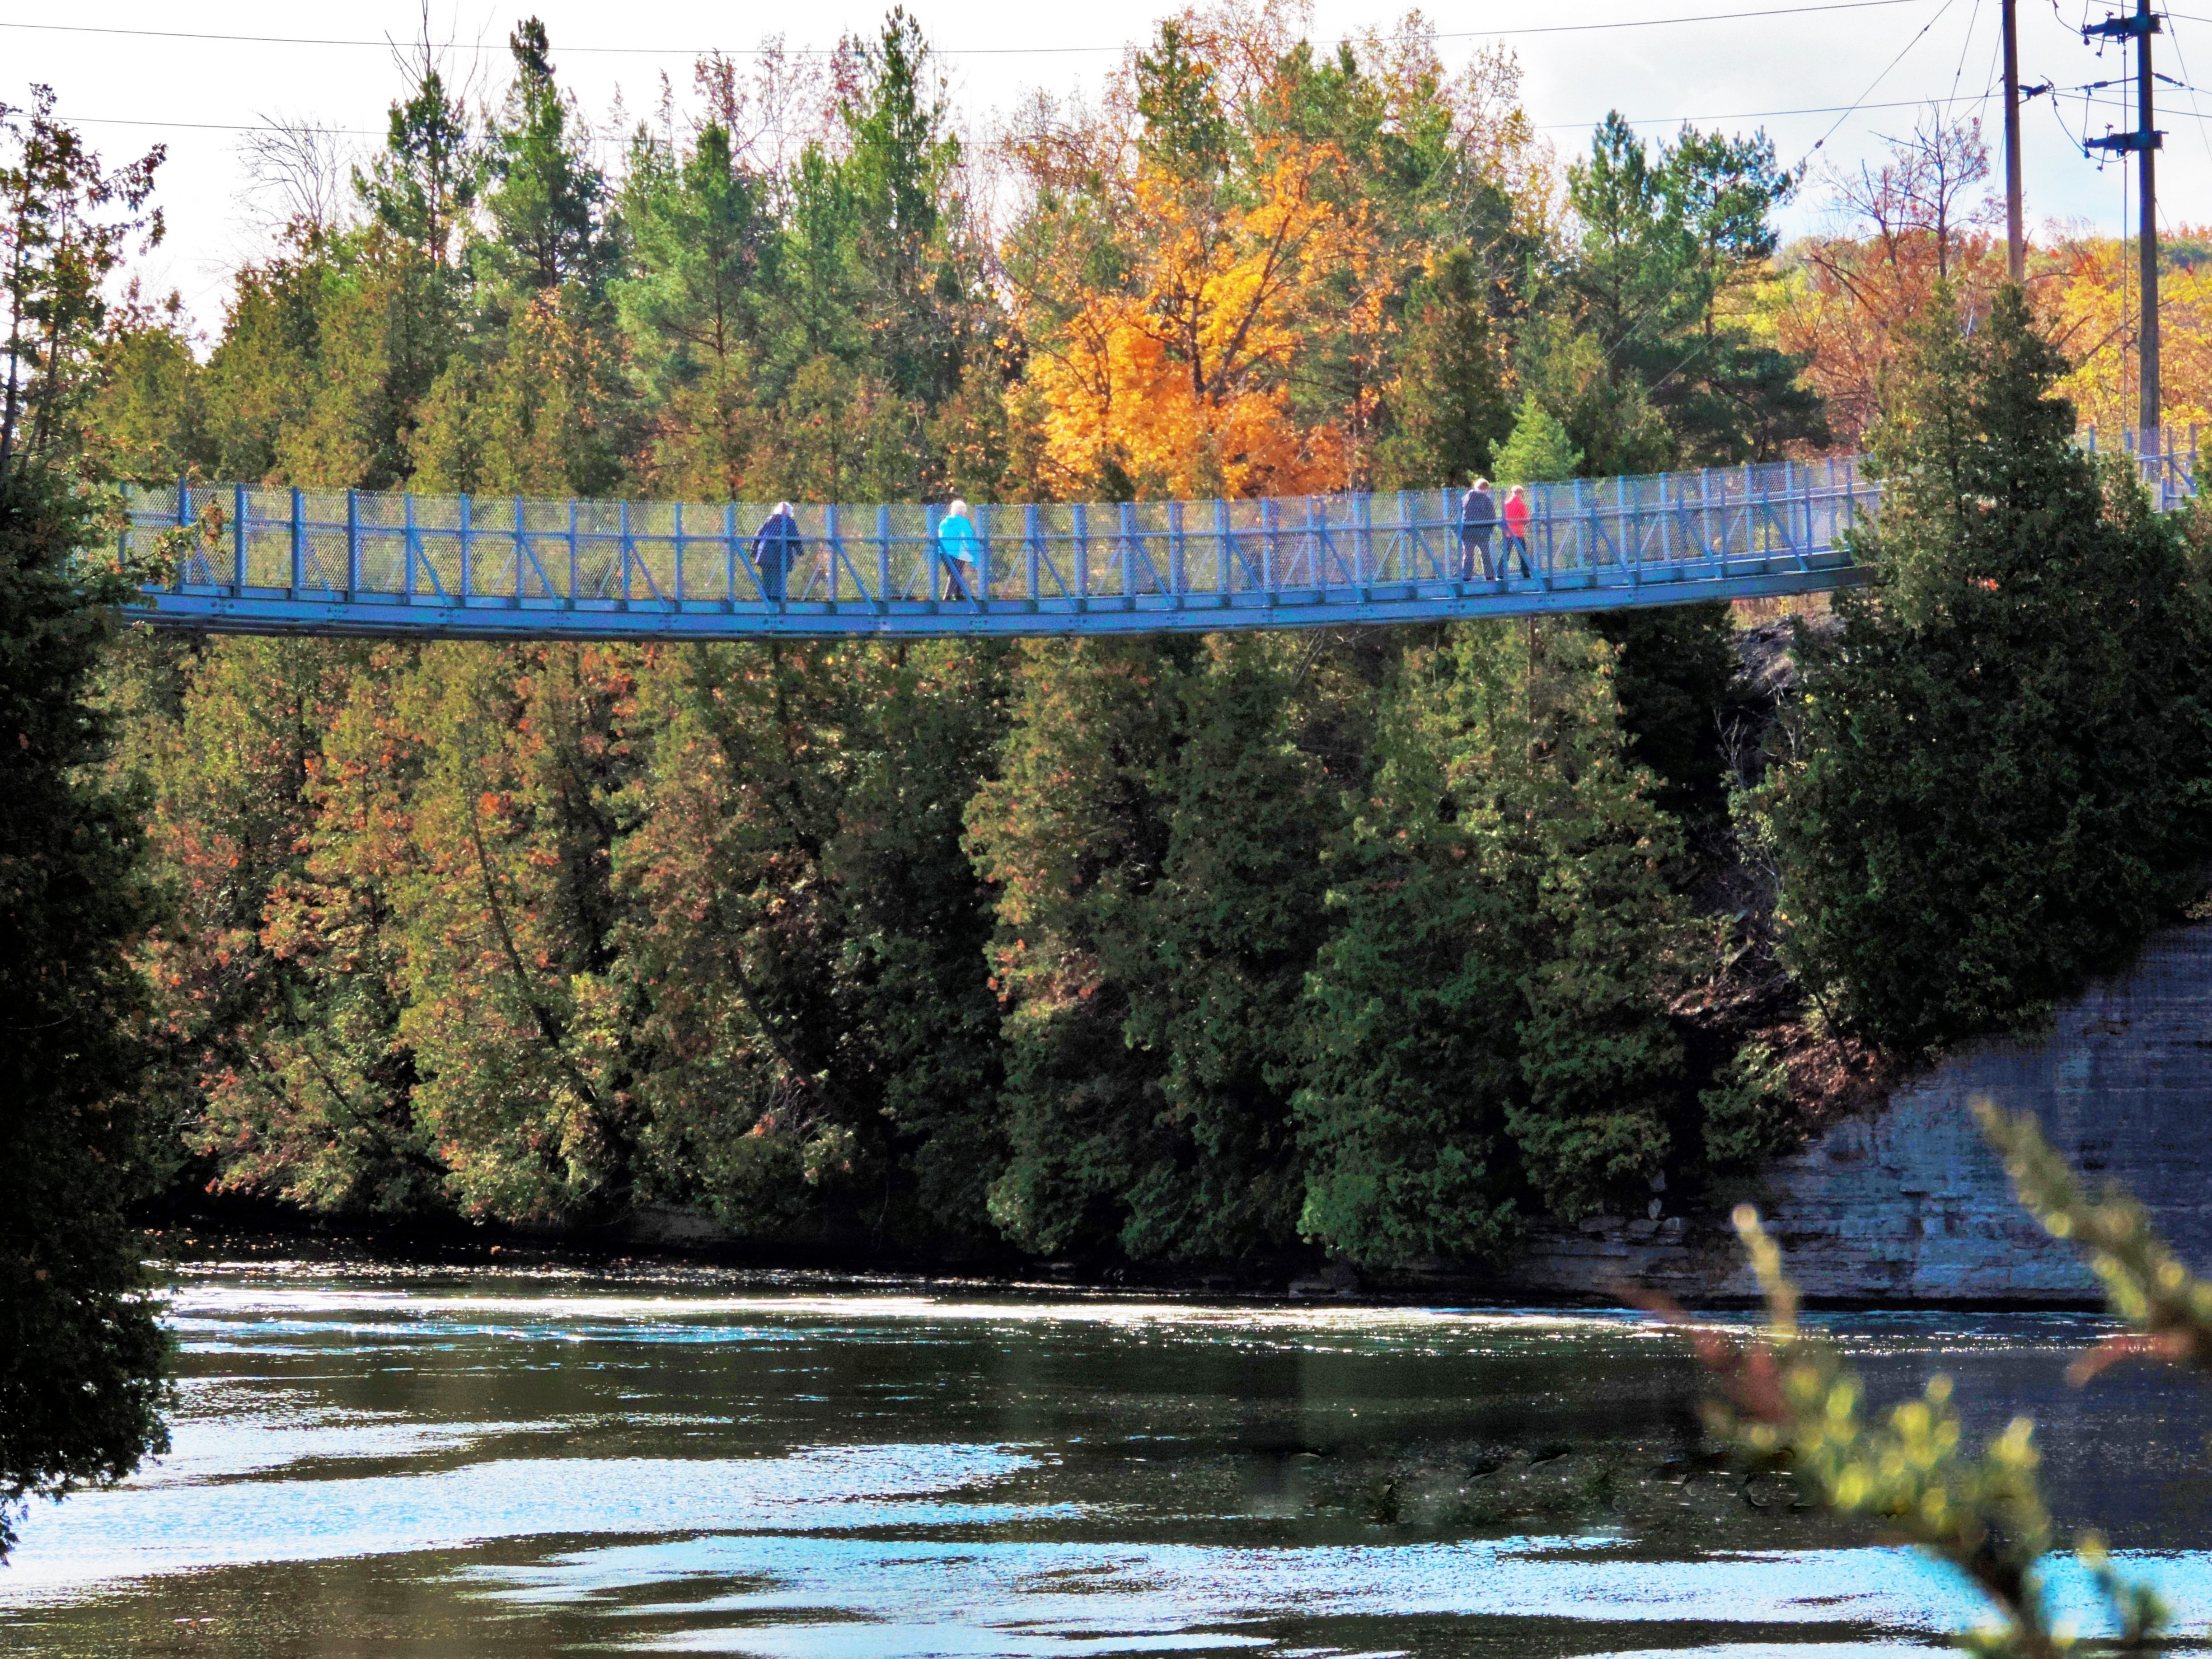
[
  {"x": 1546, "y": 126},
  {"x": 1880, "y": 78},
  {"x": 385, "y": 42},
  {"x": 1767, "y": 114}
]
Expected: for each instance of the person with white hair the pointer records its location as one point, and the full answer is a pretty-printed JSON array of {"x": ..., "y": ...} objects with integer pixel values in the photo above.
[
  {"x": 775, "y": 550},
  {"x": 959, "y": 545}
]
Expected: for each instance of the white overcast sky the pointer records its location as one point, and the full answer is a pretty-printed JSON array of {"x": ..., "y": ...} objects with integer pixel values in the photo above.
[{"x": 130, "y": 90}]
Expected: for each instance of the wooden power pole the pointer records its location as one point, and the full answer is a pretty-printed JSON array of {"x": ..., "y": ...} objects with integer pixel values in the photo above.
[{"x": 2016, "y": 232}]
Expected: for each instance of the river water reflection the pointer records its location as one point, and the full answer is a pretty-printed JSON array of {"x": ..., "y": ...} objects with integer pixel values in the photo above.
[{"x": 464, "y": 1462}]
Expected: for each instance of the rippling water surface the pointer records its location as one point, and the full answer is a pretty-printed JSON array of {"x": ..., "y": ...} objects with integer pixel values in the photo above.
[{"x": 441, "y": 1462}]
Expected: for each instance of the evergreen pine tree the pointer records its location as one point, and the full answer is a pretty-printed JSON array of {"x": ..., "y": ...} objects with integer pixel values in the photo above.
[
  {"x": 2008, "y": 752},
  {"x": 1539, "y": 451},
  {"x": 81, "y": 1353}
]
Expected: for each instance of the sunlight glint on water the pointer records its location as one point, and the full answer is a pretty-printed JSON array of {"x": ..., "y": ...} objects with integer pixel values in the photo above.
[{"x": 465, "y": 1463}]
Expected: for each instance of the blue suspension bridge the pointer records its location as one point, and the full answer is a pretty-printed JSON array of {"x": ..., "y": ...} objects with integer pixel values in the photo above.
[{"x": 255, "y": 560}]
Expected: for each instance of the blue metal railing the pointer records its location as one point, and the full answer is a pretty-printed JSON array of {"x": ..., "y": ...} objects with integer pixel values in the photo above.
[{"x": 293, "y": 561}]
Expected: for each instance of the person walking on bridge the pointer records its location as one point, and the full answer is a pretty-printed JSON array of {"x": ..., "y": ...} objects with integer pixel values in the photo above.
[
  {"x": 775, "y": 550},
  {"x": 959, "y": 545},
  {"x": 1517, "y": 515},
  {"x": 1478, "y": 518}
]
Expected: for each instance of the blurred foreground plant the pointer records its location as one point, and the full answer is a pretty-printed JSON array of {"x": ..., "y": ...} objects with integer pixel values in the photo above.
[
  {"x": 2169, "y": 1307},
  {"x": 1786, "y": 1398}
]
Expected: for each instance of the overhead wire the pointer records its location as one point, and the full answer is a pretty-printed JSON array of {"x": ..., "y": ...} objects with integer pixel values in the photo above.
[
  {"x": 1959, "y": 73},
  {"x": 386, "y": 42},
  {"x": 1545, "y": 126},
  {"x": 2180, "y": 57},
  {"x": 1837, "y": 125}
]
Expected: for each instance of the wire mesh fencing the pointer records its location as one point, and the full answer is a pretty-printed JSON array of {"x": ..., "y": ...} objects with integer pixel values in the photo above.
[{"x": 449, "y": 551}]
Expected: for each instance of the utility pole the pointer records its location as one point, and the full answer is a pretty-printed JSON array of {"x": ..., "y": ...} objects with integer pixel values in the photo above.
[
  {"x": 2015, "y": 233},
  {"x": 2144, "y": 140}
]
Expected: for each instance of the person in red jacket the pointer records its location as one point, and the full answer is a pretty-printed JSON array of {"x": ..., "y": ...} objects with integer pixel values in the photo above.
[{"x": 1516, "y": 514}]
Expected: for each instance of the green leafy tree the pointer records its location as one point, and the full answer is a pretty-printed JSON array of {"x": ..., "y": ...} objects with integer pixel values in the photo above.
[
  {"x": 1179, "y": 99},
  {"x": 275, "y": 959},
  {"x": 1154, "y": 834},
  {"x": 82, "y": 1354},
  {"x": 1448, "y": 409},
  {"x": 545, "y": 200},
  {"x": 66, "y": 224},
  {"x": 1665, "y": 242},
  {"x": 1505, "y": 906},
  {"x": 1675, "y": 677},
  {"x": 422, "y": 184},
  {"x": 147, "y": 418},
  {"x": 923, "y": 282},
  {"x": 2004, "y": 743},
  {"x": 1539, "y": 451},
  {"x": 698, "y": 228},
  {"x": 818, "y": 1042},
  {"x": 1415, "y": 1002}
]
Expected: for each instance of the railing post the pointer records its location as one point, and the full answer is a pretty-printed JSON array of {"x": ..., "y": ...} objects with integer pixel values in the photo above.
[
  {"x": 575, "y": 560},
  {"x": 1225, "y": 549},
  {"x": 883, "y": 555},
  {"x": 468, "y": 564},
  {"x": 1586, "y": 531},
  {"x": 1175, "y": 551},
  {"x": 1551, "y": 560},
  {"x": 678, "y": 597},
  {"x": 1129, "y": 556},
  {"x": 353, "y": 544},
  {"x": 1079, "y": 516},
  {"x": 1750, "y": 523},
  {"x": 832, "y": 533},
  {"x": 239, "y": 542},
  {"x": 299, "y": 542},
  {"x": 983, "y": 595},
  {"x": 622, "y": 547},
  {"x": 933, "y": 516},
  {"x": 730, "y": 554},
  {"x": 1268, "y": 548},
  {"x": 1032, "y": 539},
  {"x": 184, "y": 518},
  {"x": 521, "y": 548}
]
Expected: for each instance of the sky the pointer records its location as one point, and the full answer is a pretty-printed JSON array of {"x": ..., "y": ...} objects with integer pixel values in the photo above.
[{"x": 1826, "y": 81}]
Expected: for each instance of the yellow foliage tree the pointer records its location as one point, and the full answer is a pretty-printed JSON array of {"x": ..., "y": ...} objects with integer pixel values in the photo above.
[
  {"x": 1177, "y": 380},
  {"x": 2090, "y": 304}
]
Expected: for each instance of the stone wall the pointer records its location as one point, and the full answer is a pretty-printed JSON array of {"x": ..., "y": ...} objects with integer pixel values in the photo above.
[{"x": 1907, "y": 1204}]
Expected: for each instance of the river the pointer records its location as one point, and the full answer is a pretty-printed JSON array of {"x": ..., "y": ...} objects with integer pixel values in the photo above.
[{"x": 442, "y": 1461}]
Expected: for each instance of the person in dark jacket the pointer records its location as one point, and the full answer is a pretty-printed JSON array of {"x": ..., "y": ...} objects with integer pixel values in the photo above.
[
  {"x": 1478, "y": 518},
  {"x": 775, "y": 550}
]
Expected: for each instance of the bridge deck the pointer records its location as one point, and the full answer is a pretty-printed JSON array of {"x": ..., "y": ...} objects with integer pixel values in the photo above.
[{"x": 258, "y": 561}]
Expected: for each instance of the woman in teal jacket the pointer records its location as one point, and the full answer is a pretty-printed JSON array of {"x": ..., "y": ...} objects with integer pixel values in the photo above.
[
  {"x": 961, "y": 549},
  {"x": 959, "y": 545}
]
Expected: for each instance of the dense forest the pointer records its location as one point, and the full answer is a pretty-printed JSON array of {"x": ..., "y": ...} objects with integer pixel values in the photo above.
[{"x": 1382, "y": 944}]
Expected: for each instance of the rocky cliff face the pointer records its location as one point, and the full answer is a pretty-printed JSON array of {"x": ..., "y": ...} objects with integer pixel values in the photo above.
[{"x": 1907, "y": 1204}]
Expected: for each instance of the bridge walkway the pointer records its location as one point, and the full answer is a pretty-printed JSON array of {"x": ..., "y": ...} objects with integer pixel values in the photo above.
[{"x": 249, "y": 560}]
